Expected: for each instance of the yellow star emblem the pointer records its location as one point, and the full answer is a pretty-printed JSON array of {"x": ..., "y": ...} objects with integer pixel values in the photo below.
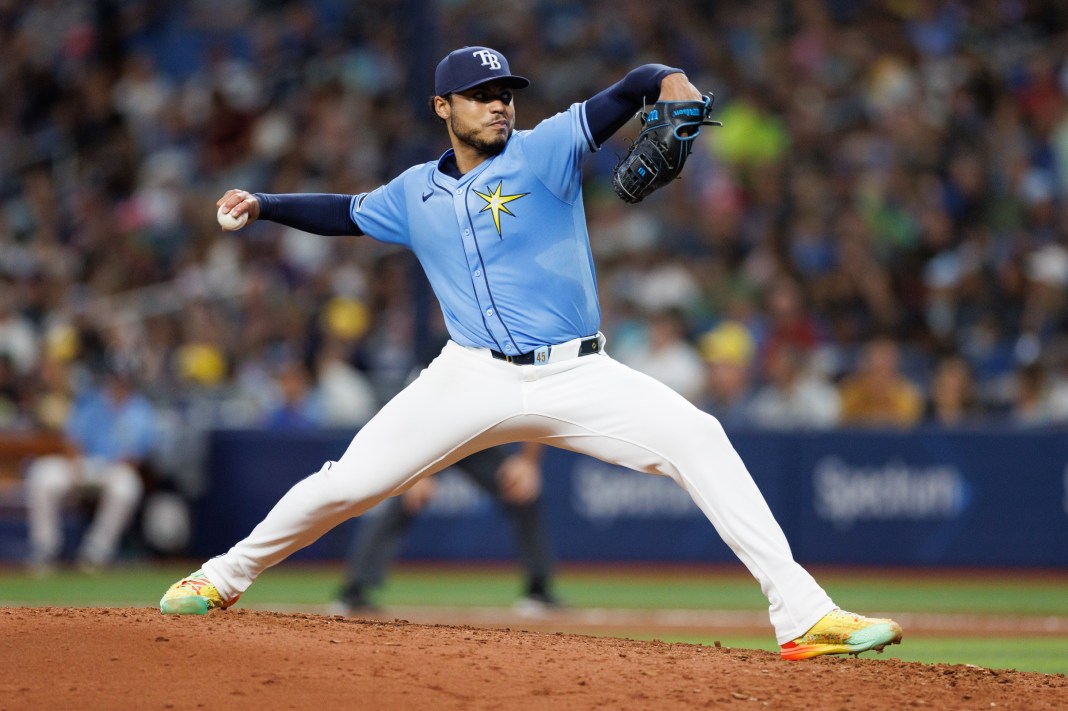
[{"x": 496, "y": 202}]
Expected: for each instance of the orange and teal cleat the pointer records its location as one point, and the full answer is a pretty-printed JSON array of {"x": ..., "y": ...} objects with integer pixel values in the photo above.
[
  {"x": 841, "y": 632},
  {"x": 193, "y": 595}
]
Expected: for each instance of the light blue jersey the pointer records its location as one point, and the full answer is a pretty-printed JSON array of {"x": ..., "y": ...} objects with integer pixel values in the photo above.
[
  {"x": 505, "y": 247},
  {"x": 110, "y": 430}
]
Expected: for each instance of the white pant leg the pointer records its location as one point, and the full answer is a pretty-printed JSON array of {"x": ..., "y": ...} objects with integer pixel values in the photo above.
[
  {"x": 447, "y": 413},
  {"x": 49, "y": 479},
  {"x": 121, "y": 489},
  {"x": 599, "y": 407}
]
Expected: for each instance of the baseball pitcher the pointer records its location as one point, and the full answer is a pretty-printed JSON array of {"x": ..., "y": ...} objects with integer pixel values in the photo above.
[{"x": 497, "y": 223}]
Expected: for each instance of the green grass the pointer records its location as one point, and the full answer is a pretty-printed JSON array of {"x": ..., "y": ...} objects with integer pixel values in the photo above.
[{"x": 1004, "y": 593}]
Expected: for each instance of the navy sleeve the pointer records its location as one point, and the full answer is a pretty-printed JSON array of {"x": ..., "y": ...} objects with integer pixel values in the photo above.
[
  {"x": 318, "y": 213},
  {"x": 609, "y": 110}
]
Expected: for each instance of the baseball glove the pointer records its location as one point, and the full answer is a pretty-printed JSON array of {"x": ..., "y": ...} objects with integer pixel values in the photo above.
[{"x": 658, "y": 153}]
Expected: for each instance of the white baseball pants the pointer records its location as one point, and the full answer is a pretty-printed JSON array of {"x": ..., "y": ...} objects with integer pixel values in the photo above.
[
  {"x": 52, "y": 478},
  {"x": 466, "y": 401}
]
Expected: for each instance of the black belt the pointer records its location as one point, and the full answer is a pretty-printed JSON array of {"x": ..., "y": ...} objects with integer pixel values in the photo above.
[{"x": 588, "y": 346}]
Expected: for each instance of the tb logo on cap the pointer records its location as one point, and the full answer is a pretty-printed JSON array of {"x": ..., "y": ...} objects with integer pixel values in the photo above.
[{"x": 489, "y": 59}]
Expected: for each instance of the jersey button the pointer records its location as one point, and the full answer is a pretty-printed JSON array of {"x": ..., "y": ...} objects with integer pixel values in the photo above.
[
  {"x": 467, "y": 232},
  {"x": 489, "y": 312},
  {"x": 459, "y": 190},
  {"x": 478, "y": 272}
]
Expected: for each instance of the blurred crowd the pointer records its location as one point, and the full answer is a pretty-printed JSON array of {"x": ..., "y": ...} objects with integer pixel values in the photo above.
[{"x": 876, "y": 236}]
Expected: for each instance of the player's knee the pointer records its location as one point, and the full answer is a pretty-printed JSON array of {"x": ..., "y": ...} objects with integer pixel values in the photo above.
[
  {"x": 713, "y": 427},
  {"x": 48, "y": 476},
  {"x": 124, "y": 483},
  {"x": 698, "y": 427},
  {"x": 340, "y": 489},
  {"x": 358, "y": 481}
]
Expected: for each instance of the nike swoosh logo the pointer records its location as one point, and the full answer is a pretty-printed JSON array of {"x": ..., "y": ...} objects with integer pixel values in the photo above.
[{"x": 426, "y": 196}]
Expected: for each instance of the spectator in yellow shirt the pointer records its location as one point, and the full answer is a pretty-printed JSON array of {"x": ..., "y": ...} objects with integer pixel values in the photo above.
[{"x": 878, "y": 394}]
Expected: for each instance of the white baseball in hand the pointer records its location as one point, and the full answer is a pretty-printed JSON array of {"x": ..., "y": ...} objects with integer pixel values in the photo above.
[{"x": 230, "y": 223}]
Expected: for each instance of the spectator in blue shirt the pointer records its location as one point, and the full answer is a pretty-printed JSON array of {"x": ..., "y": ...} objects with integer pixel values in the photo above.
[
  {"x": 110, "y": 433},
  {"x": 298, "y": 406}
]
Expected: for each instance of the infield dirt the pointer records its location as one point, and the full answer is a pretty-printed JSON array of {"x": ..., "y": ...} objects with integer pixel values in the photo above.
[{"x": 136, "y": 658}]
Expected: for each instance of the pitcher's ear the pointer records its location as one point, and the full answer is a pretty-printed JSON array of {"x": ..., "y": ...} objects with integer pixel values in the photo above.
[{"x": 441, "y": 107}]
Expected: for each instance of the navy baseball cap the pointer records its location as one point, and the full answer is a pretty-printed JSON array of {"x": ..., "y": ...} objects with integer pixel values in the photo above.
[{"x": 470, "y": 66}]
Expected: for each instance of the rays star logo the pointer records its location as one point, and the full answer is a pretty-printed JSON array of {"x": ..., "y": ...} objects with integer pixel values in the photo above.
[{"x": 497, "y": 203}]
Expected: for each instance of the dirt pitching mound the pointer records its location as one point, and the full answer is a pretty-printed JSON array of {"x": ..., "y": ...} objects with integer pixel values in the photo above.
[{"x": 136, "y": 658}]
